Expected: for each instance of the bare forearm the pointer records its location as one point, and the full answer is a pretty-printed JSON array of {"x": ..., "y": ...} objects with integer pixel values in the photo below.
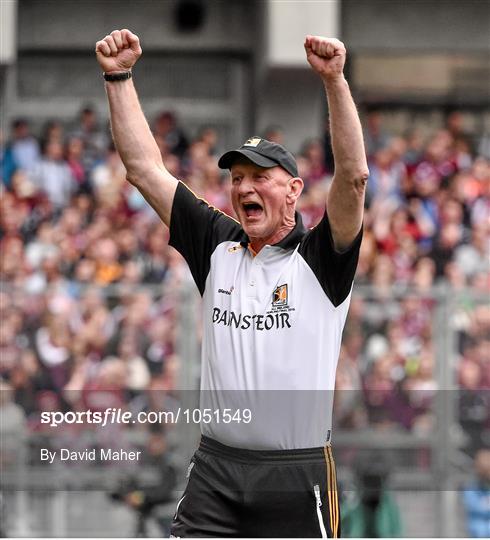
[
  {"x": 346, "y": 132},
  {"x": 132, "y": 136},
  {"x": 346, "y": 196},
  {"x": 138, "y": 148},
  {"x": 116, "y": 53}
]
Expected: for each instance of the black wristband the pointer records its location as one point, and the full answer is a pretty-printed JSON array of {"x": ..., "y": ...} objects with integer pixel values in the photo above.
[{"x": 122, "y": 76}]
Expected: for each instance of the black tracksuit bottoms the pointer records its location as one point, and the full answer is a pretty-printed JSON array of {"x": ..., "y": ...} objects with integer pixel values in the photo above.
[{"x": 233, "y": 492}]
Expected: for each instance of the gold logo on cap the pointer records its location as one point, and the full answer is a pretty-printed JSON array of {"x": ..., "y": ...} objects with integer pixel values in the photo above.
[{"x": 254, "y": 141}]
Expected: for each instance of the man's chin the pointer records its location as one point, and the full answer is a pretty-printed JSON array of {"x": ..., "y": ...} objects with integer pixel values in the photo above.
[{"x": 253, "y": 230}]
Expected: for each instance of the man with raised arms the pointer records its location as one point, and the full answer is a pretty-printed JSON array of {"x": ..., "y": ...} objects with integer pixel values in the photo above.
[{"x": 275, "y": 300}]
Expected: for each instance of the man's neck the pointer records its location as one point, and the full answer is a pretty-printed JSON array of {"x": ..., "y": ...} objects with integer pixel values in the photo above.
[{"x": 258, "y": 243}]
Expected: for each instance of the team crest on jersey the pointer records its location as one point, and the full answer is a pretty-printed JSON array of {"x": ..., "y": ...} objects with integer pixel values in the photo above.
[
  {"x": 253, "y": 141},
  {"x": 280, "y": 295}
]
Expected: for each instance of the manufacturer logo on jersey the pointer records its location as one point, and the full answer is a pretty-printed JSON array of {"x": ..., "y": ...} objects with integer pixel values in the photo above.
[
  {"x": 253, "y": 141},
  {"x": 224, "y": 291},
  {"x": 234, "y": 249},
  {"x": 280, "y": 295}
]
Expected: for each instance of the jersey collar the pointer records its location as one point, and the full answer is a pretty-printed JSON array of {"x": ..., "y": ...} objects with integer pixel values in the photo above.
[{"x": 291, "y": 240}]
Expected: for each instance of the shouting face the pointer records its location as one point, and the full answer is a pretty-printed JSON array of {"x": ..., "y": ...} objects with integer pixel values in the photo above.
[{"x": 264, "y": 200}]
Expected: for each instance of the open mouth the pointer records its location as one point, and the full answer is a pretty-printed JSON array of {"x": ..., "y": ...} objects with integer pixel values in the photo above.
[{"x": 252, "y": 209}]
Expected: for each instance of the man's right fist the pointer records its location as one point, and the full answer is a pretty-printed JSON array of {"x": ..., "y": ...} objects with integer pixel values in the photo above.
[{"x": 118, "y": 51}]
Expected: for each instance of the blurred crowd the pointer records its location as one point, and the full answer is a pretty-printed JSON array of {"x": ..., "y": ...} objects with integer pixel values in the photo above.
[
  {"x": 427, "y": 238},
  {"x": 90, "y": 287}
]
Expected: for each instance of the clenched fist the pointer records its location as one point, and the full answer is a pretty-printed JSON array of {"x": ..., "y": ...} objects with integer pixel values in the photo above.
[
  {"x": 325, "y": 55},
  {"x": 118, "y": 51}
]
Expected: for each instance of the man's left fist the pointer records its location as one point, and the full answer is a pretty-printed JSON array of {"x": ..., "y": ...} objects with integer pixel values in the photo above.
[{"x": 325, "y": 55}]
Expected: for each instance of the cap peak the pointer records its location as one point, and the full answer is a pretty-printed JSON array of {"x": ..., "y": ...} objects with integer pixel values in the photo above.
[{"x": 263, "y": 153}]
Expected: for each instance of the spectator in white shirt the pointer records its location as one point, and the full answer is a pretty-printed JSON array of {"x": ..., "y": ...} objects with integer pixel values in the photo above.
[{"x": 53, "y": 176}]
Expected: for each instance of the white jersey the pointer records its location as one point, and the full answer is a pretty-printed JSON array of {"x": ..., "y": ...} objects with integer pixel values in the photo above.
[{"x": 272, "y": 326}]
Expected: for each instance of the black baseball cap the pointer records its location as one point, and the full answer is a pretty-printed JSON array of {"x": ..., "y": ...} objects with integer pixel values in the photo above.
[{"x": 263, "y": 153}]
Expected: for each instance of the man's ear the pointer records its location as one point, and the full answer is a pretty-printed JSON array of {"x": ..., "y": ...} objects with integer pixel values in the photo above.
[{"x": 295, "y": 187}]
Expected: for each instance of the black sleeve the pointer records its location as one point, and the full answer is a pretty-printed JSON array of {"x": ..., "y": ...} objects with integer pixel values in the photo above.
[
  {"x": 196, "y": 229},
  {"x": 334, "y": 270}
]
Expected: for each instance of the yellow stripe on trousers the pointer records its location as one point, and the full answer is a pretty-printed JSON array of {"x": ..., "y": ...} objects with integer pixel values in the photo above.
[
  {"x": 333, "y": 500},
  {"x": 329, "y": 488},
  {"x": 336, "y": 493}
]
